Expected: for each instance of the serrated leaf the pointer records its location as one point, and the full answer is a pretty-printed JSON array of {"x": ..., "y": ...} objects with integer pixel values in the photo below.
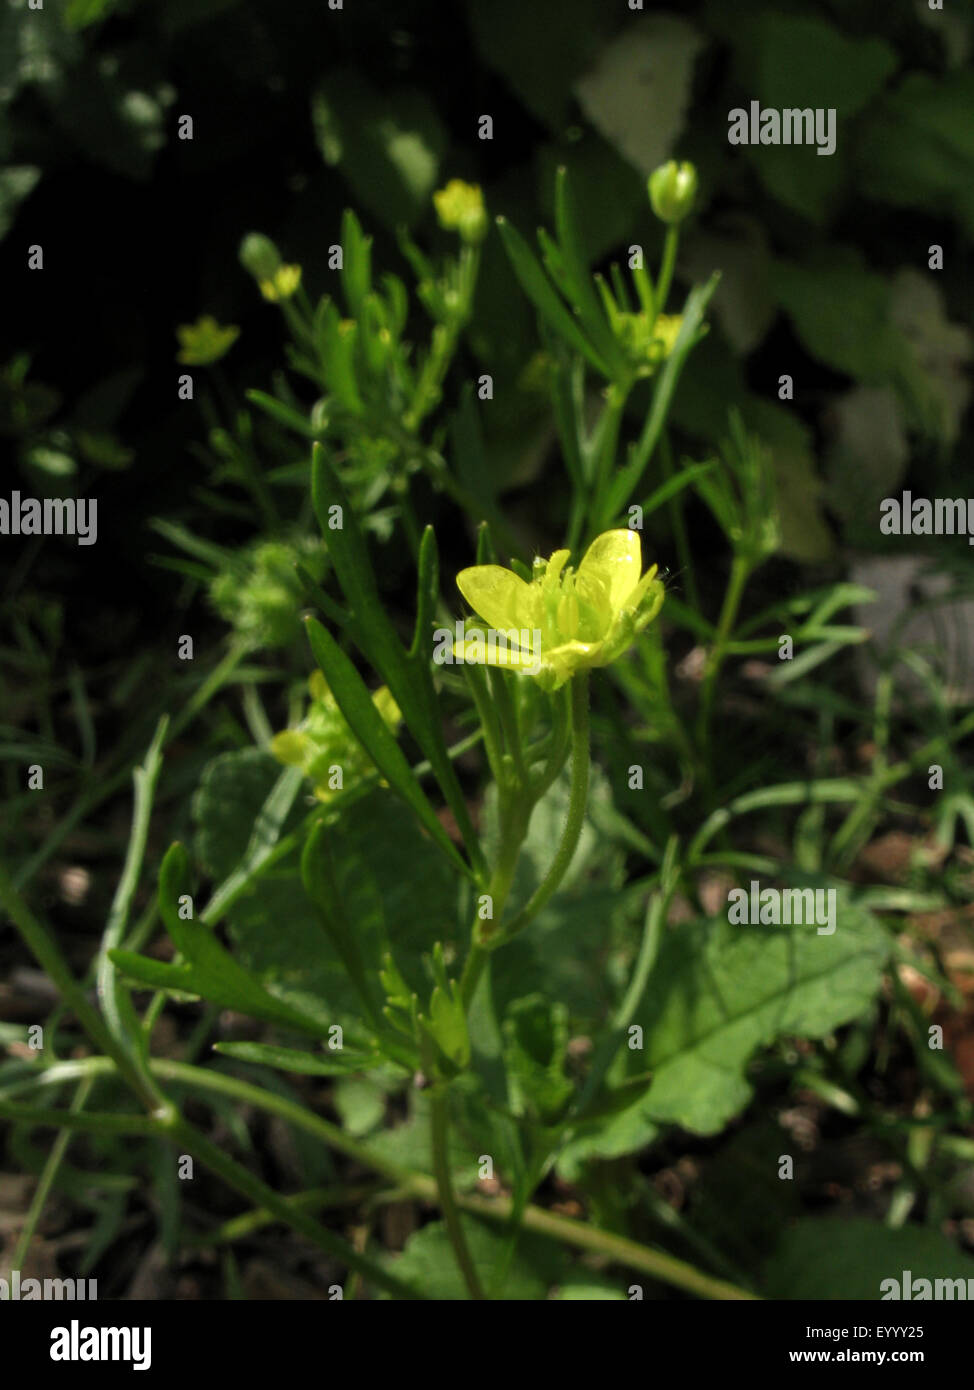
[{"x": 719, "y": 992}]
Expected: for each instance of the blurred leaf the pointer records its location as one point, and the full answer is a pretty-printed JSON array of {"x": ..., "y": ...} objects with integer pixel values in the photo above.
[
  {"x": 917, "y": 149},
  {"x": 388, "y": 145},
  {"x": 81, "y": 13},
  {"x": 509, "y": 35},
  {"x": 289, "y": 1059},
  {"x": 428, "y": 1261},
  {"x": 841, "y": 312},
  {"x": 836, "y": 1259},
  {"x": 17, "y": 182},
  {"x": 744, "y": 302},
  {"x": 360, "y": 1103},
  {"x": 637, "y": 93}
]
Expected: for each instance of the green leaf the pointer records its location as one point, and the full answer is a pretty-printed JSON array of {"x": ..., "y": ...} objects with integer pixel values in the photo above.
[
  {"x": 852, "y": 1259},
  {"x": 535, "y": 1048},
  {"x": 841, "y": 312},
  {"x": 410, "y": 680},
  {"x": 389, "y": 145},
  {"x": 383, "y": 855},
  {"x": 355, "y": 703},
  {"x": 582, "y": 295},
  {"x": 916, "y": 148},
  {"x": 215, "y": 974},
  {"x": 17, "y": 182},
  {"x": 638, "y": 91},
  {"x": 292, "y": 1060},
  {"x": 539, "y": 290},
  {"x": 719, "y": 992},
  {"x": 360, "y": 1102},
  {"x": 627, "y": 478},
  {"x": 509, "y": 35},
  {"x": 429, "y": 1262},
  {"x": 351, "y": 909}
]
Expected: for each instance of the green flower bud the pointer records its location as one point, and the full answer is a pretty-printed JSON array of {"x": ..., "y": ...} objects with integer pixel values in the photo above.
[
  {"x": 672, "y": 189},
  {"x": 259, "y": 256}
]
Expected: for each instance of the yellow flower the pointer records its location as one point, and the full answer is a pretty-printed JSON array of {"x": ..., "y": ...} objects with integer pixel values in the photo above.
[
  {"x": 460, "y": 208},
  {"x": 205, "y": 341},
  {"x": 283, "y": 283},
  {"x": 323, "y": 745},
  {"x": 666, "y": 330},
  {"x": 565, "y": 620},
  {"x": 647, "y": 342}
]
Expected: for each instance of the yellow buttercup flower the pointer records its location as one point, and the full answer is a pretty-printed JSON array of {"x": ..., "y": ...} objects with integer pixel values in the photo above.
[
  {"x": 565, "y": 620},
  {"x": 460, "y": 208},
  {"x": 323, "y": 745},
  {"x": 283, "y": 283},
  {"x": 205, "y": 341}
]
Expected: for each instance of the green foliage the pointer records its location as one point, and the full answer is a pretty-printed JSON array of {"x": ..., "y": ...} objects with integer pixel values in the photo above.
[{"x": 490, "y": 964}]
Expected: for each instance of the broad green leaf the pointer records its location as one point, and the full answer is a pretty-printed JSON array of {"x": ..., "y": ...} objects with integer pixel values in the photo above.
[
  {"x": 719, "y": 992},
  {"x": 385, "y": 854},
  {"x": 429, "y": 1262},
  {"x": 389, "y": 145},
  {"x": 351, "y": 909},
  {"x": 360, "y": 1102},
  {"x": 853, "y": 1259},
  {"x": 638, "y": 90},
  {"x": 509, "y": 35}
]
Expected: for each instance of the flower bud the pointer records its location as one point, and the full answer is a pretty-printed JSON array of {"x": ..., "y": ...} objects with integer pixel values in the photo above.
[
  {"x": 259, "y": 256},
  {"x": 672, "y": 189}
]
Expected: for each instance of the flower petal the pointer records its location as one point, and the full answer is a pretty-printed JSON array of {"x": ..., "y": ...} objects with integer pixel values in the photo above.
[
  {"x": 616, "y": 559},
  {"x": 500, "y": 596},
  {"x": 489, "y": 654}
]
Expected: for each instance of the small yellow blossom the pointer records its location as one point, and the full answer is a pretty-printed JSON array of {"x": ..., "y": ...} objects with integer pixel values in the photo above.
[
  {"x": 460, "y": 208},
  {"x": 283, "y": 283},
  {"x": 323, "y": 745},
  {"x": 573, "y": 620},
  {"x": 205, "y": 341}
]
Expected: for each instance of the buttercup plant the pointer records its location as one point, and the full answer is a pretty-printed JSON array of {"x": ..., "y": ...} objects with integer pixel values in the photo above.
[{"x": 432, "y": 894}]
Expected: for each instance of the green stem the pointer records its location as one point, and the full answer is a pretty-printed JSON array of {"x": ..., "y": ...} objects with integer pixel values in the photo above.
[
  {"x": 740, "y": 570},
  {"x": 562, "y": 1228},
  {"x": 578, "y": 797},
  {"x": 111, "y": 996},
  {"x": 54, "y": 1160},
  {"x": 440, "y": 1126},
  {"x": 670, "y": 246},
  {"x": 42, "y": 946}
]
